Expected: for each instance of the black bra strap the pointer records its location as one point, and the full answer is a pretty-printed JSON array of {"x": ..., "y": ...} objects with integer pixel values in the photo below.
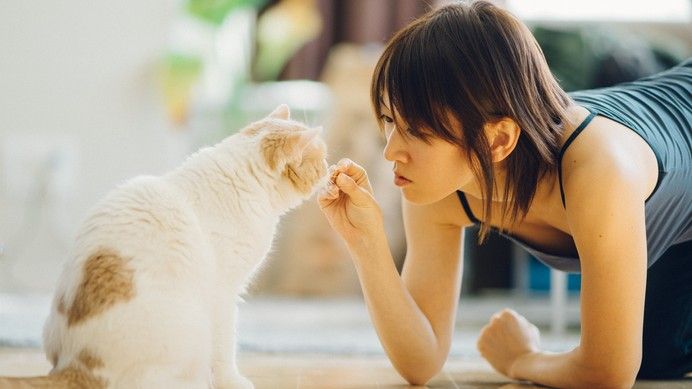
[
  {"x": 571, "y": 138},
  {"x": 467, "y": 209}
]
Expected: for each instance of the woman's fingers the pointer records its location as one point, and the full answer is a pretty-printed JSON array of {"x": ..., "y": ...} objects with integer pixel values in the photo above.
[
  {"x": 328, "y": 195},
  {"x": 348, "y": 203},
  {"x": 358, "y": 195},
  {"x": 349, "y": 178},
  {"x": 351, "y": 168},
  {"x": 506, "y": 338},
  {"x": 356, "y": 172}
]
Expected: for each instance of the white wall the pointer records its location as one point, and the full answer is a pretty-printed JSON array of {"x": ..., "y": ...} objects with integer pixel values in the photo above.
[{"x": 77, "y": 77}]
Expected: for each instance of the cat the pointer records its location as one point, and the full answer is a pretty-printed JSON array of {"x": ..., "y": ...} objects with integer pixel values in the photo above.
[{"x": 149, "y": 297}]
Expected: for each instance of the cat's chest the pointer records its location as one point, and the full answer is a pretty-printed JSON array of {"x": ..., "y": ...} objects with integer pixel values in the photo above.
[
  {"x": 249, "y": 244},
  {"x": 244, "y": 242}
]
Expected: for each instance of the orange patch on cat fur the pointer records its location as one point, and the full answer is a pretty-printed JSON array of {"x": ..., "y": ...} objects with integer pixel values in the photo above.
[
  {"x": 301, "y": 184},
  {"x": 89, "y": 360},
  {"x": 82, "y": 370},
  {"x": 76, "y": 377},
  {"x": 106, "y": 280},
  {"x": 274, "y": 144},
  {"x": 53, "y": 358},
  {"x": 61, "y": 306}
]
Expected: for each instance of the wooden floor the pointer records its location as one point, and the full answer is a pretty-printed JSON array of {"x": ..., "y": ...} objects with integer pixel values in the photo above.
[{"x": 270, "y": 371}]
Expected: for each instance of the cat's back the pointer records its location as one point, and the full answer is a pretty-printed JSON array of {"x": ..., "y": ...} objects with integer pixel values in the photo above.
[
  {"x": 147, "y": 224},
  {"x": 138, "y": 259},
  {"x": 144, "y": 202}
]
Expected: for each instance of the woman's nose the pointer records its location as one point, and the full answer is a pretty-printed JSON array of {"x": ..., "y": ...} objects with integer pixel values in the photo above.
[{"x": 394, "y": 150}]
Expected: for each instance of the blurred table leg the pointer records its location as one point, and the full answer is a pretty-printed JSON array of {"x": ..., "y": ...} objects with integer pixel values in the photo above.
[{"x": 558, "y": 301}]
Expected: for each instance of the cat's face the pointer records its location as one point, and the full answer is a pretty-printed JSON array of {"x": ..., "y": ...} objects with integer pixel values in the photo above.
[{"x": 292, "y": 152}]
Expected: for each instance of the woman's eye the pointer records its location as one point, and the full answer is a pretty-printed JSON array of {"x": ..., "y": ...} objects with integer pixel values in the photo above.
[{"x": 386, "y": 119}]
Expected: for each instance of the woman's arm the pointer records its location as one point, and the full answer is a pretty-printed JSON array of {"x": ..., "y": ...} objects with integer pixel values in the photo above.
[
  {"x": 605, "y": 210},
  {"x": 413, "y": 314}
]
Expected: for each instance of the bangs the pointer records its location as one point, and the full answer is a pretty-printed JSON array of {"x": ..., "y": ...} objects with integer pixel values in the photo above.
[
  {"x": 462, "y": 66},
  {"x": 402, "y": 74}
]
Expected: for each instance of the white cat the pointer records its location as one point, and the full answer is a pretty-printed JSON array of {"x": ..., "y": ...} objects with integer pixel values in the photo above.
[{"x": 149, "y": 298}]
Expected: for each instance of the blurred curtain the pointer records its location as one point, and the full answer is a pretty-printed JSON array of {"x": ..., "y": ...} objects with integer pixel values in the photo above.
[{"x": 355, "y": 21}]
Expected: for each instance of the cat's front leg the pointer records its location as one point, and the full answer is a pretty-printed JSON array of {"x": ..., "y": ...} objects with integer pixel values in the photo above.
[
  {"x": 225, "y": 370},
  {"x": 238, "y": 382}
]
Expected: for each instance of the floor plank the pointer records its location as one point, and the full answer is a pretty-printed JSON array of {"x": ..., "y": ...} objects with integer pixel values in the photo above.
[{"x": 313, "y": 371}]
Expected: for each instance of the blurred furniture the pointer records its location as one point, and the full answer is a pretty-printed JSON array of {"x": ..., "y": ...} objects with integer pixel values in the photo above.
[{"x": 310, "y": 259}]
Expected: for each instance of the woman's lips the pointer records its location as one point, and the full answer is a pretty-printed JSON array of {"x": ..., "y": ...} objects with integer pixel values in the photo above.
[{"x": 401, "y": 180}]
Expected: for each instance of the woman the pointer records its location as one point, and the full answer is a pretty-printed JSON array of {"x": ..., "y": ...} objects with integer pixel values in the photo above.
[{"x": 479, "y": 132}]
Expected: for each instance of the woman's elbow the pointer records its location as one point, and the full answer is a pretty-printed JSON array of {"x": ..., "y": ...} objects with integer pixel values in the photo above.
[
  {"x": 616, "y": 377},
  {"x": 617, "y": 382},
  {"x": 418, "y": 378},
  {"x": 420, "y": 375},
  {"x": 617, "y": 370}
]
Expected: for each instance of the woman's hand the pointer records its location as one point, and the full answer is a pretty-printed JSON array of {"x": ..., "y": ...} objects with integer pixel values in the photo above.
[
  {"x": 507, "y": 337},
  {"x": 348, "y": 202}
]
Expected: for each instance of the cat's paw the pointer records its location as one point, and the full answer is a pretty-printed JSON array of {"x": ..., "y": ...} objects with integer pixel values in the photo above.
[{"x": 237, "y": 382}]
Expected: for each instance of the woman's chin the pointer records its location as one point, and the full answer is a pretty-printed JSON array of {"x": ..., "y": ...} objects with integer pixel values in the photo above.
[{"x": 418, "y": 198}]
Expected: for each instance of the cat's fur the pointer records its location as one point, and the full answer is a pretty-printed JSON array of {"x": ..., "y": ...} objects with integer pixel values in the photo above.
[{"x": 149, "y": 298}]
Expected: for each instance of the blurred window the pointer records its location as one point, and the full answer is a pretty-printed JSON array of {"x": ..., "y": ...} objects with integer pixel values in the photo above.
[{"x": 673, "y": 11}]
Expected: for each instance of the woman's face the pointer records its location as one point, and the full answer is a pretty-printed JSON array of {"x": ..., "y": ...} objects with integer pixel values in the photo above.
[{"x": 426, "y": 172}]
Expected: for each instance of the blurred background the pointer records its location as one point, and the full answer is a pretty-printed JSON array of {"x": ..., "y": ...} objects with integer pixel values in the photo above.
[{"x": 94, "y": 92}]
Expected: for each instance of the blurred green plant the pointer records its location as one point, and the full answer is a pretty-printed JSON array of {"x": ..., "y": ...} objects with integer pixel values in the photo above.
[
  {"x": 278, "y": 33},
  {"x": 281, "y": 31},
  {"x": 215, "y": 11},
  {"x": 179, "y": 73}
]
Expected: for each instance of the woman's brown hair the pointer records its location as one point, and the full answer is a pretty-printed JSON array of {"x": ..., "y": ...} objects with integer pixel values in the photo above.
[{"x": 477, "y": 63}]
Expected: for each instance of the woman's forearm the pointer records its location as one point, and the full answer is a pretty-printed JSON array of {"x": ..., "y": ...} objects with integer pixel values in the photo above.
[
  {"x": 568, "y": 370},
  {"x": 403, "y": 329}
]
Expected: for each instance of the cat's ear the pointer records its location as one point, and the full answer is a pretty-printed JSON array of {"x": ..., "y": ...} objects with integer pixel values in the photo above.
[
  {"x": 281, "y": 112},
  {"x": 279, "y": 150}
]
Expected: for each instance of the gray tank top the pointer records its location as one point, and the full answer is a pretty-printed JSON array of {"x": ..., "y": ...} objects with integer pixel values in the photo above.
[{"x": 659, "y": 109}]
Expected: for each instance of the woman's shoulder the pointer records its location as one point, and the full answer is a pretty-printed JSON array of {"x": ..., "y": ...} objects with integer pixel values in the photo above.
[{"x": 607, "y": 149}]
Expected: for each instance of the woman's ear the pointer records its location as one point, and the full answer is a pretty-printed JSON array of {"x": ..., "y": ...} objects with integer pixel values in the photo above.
[{"x": 503, "y": 136}]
